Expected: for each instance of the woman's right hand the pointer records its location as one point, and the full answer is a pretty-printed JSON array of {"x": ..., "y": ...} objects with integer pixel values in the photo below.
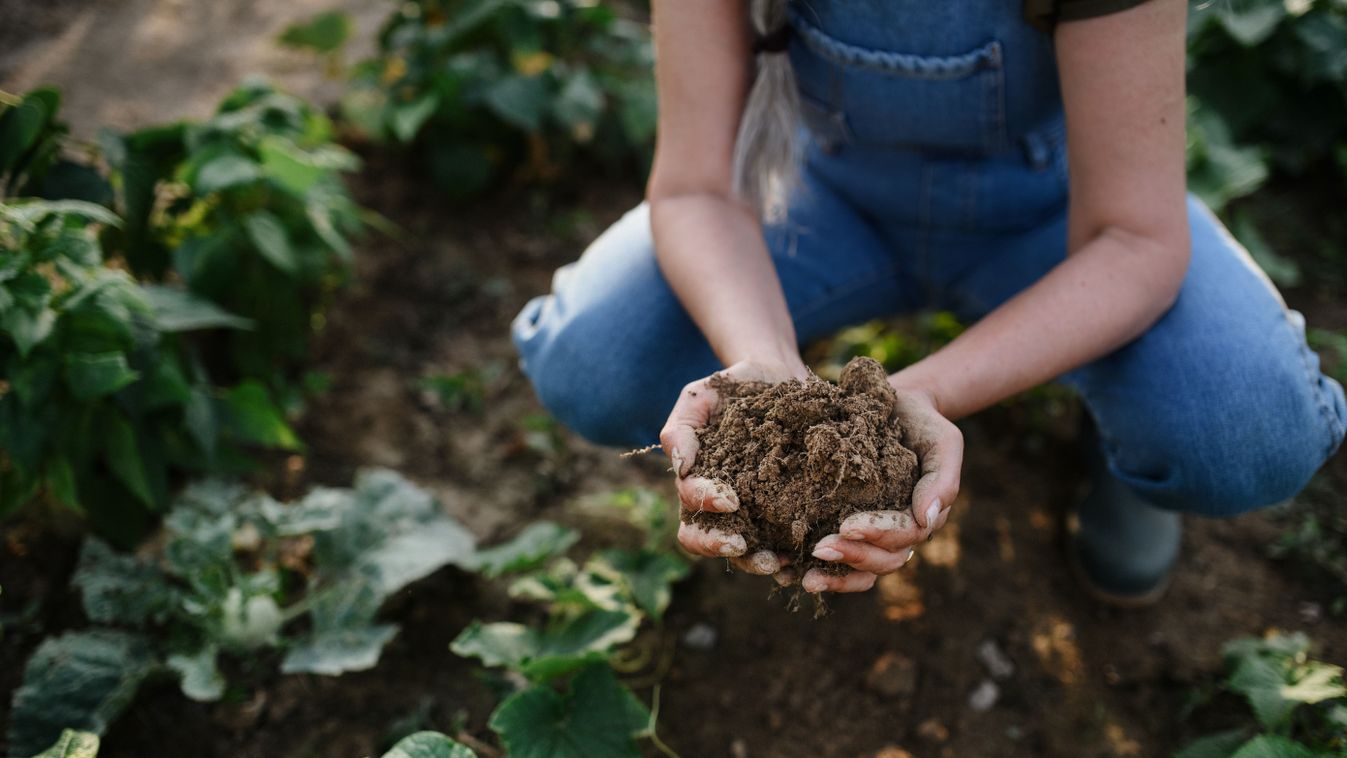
[{"x": 696, "y": 404}]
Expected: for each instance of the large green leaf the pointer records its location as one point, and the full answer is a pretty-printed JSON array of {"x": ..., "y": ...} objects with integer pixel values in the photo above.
[
  {"x": 532, "y": 547},
  {"x": 519, "y": 100},
  {"x": 72, "y": 744},
  {"x": 178, "y": 310},
  {"x": 1272, "y": 746},
  {"x": 338, "y": 651},
  {"x": 225, "y": 171},
  {"x": 121, "y": 589},
  {"x": 596, "y": 718},
  {"x": 1219, "y": 745},
  {"x": 428, "y": 745},
  {"x": 648, "y": 574},
  {"x": 406, "y": 119},
  {"x": 80, "y": 680},
  {"x": 271, "y": 240},
  {"x": 250, "y": 416},
  {"x": 122, "y": 452},
  {"x": 94, "y": 375},
  {"x": 544, "y": 654}
]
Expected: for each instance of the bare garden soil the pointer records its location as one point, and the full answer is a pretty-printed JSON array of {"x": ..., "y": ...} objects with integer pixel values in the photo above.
[{"x": 988, "y": 608}]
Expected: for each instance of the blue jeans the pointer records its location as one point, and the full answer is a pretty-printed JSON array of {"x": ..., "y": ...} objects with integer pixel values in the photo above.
[{"x": 1219, "y": 408}]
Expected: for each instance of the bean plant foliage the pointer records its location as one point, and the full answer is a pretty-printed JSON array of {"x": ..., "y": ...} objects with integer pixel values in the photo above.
[
  {"x": 238, "y": 573},
  {"x": 573, "y": 704},
  {"x": 97, "y": 401},
  {"x": 249, "y": 211},
  {"x": 482, "y": 88},
  {"x": 1299, "y": 704}
]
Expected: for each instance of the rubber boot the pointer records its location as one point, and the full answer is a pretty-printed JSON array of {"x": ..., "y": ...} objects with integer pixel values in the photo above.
[{"x": 1124, "y": 548}]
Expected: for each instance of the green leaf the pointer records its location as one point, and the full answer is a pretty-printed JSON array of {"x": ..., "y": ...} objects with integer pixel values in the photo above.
[
  {"x": 122, "y": 453},
  {"x": 532, "y": 547},
  {"x": 1253, "y": 24},
  {"x": 519, "y": 100},
  {"x": 268, "y": 234},
  {"x": 649, "y": 575},
  {"x": 27, "y": 329},
  {"x": 1219, "y": 745},
  {"x": 298, "y": 170},
  {"x": 80, "y": 680},
  {"x": 249, "y": 416},
  {"x": 1270, "y": 746},
  {"x": 1260, "y": 681},
  {"x": 20, "y": 128},
  {"x": 545, "y": 654},
  {"x": 596, "y": 718},
  {"x": 61, "y": 482},
  {"x": 324, "y": 33},
  {"x": 406, "y": 119},
  {"x": 121, "y": 589},
  {"x": 579, "y": 105},
  {"x": 178, "y": 310},
  {"x": 94, "y": 375},
  {"x": 201, "y": 677},
  {"x": 73, "y": 744},
  {"x": 428, "y": 745},
  {"x": 336, "y": 652},
  {"x": 223, "y": 172}
]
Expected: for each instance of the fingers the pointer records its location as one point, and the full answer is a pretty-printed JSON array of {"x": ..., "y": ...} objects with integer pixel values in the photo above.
[
  {"x": 698, "y": 493},
  {"x": 690, "y": 413},
  {"x": 861, "y": 556},
  {"x": 761, "y": 562},
  {"x": 893, "y": 531},
  {"x": 856, "y": 581},
  {"x": 710, "y": 542},
  {"x": 941, "y": 461}
]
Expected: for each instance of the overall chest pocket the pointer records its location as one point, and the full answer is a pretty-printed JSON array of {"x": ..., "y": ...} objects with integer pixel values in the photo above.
[{"x": 883, "y": 98}]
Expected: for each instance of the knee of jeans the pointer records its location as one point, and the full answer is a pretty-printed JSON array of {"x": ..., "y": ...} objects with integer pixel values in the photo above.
[
  {"x": 1209, "y": 471},
  {"x": 581, "y": 382}
]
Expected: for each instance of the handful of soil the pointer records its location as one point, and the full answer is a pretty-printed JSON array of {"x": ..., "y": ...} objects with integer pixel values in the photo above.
[{"x": 804, "y": 455}]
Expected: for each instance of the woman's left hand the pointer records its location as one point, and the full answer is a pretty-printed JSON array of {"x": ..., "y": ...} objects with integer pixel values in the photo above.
[{"x": 874, "y": 543}]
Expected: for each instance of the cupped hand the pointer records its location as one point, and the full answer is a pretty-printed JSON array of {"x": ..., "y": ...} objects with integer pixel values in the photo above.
[
  {"x": 874, "y": 543},
  {"x": 696, "y": 404}
]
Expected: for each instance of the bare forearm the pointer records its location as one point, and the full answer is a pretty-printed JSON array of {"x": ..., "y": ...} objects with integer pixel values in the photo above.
[
  {"x": 711, "y": 251},
  {"x": 1099, "y": 299}
]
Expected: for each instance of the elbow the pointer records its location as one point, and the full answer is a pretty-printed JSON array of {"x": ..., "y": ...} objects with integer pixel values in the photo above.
[{"x": 1160, "y": 262}]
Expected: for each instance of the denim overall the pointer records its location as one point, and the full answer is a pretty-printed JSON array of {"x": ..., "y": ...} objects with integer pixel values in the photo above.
[{"x": 935, "y": 176}]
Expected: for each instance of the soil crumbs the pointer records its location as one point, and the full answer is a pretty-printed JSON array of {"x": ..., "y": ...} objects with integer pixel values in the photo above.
[{"x": 804, "y": 455}]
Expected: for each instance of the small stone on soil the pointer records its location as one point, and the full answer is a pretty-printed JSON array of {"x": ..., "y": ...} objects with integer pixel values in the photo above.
[
  {"x": 700, "y": 636},
  {"x": 998, "y": 664},
  {"x": 984, "y": 697}
]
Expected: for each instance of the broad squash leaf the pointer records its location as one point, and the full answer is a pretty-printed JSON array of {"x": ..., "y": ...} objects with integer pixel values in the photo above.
[
  {"x": 428, "y": 745},
  {"x": 72, "y": 744},
  {"x": 531, "y": 548},
  {"x": 596, "y": 718}
]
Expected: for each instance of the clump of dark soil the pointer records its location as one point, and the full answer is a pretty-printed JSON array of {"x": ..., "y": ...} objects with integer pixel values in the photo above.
[{"x": 804, "y": 455}]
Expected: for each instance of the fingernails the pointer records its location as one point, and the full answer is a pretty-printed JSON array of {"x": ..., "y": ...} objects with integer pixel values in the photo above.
[
  {"x": 933, "y": 513},
  {"x": 677, "y": 459},
  {"x": 813, "y": 583},
  {"x": 733, "y": 546},
  {"x": 725, "y": 505},
  {"x": 907, "y": 556},
  {"x": 764, "y": 562},
  {"x": 825, "y": 553}
]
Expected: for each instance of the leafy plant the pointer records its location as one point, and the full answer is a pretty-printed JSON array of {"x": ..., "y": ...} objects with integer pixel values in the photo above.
[
  {"x": 72, "y": 744},
  {"x": 573, "y": 704},
  {"x": 482, "y": 88},
  {"x": 98, "y": 405},
  {"x": 249, "y": 211},
  {"x": 235, "y": 574},
  {"x": 1299, "y": 704},
  {"x": 33, "y": 142}
]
